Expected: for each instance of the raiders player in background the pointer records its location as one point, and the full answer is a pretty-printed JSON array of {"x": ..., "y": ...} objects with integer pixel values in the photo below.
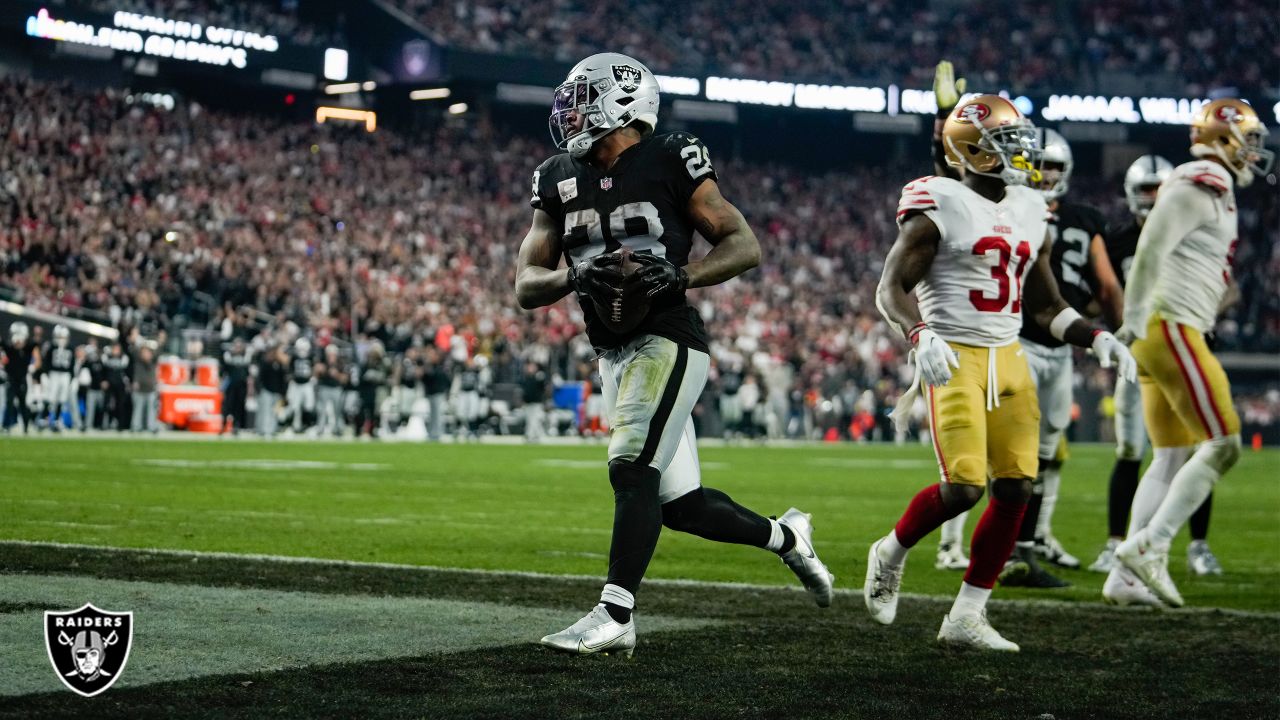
[
  {"x": 1141, "y": 182},
  {"x": 60, "y": 362},
  {"x": 22, "y": 358},
  {"x": 620, "y": 185},
  {"x": 300, "y": 397}
]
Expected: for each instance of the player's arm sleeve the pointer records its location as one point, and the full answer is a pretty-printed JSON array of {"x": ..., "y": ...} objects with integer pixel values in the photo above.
[
  {"x": 918, "y": 197},
  {"x": 1180, "y": 208},
  {"x": 690, "y": 165},
  {"x": 545, "y": 196}
]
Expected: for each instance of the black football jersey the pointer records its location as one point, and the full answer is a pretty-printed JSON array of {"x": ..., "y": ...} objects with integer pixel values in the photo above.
[
  {"x": 1122, "y": 245},
  {"x": 1071, "y": 228},
  {"x": 640, "y": 203},
  {"x": 59, "y": 359},
  {"x": 19, "y": 362},
  {"x": 301, "y": 368}
]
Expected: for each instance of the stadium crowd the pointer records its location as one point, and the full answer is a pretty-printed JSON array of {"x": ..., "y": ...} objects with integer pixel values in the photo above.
[
  {"x": 220, "y": 226},
  {"x": 1038, "y": 46}
]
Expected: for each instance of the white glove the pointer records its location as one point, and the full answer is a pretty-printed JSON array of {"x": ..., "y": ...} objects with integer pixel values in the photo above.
[
  {"x": 1109, "y": 350},
  {"x": 933, "y": 356}
]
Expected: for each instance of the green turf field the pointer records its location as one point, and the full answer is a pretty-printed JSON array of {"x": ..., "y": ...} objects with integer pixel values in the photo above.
[{"x": 232, "y": 636}]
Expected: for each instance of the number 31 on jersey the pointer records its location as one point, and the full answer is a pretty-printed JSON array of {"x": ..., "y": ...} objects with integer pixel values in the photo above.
[{"x": 1000, "y": 272}]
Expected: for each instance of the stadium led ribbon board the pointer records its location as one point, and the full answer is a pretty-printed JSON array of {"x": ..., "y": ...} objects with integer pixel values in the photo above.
[
  {"x": 173, "y": 39},
  {"x": 157, "y": 36}
]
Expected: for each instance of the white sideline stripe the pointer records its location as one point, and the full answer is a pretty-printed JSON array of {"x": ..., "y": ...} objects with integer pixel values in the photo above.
[{"x": 669, "y": 582}]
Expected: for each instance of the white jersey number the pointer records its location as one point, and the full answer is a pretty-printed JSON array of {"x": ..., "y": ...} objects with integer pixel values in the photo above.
[{"x": 634, "y": 225}]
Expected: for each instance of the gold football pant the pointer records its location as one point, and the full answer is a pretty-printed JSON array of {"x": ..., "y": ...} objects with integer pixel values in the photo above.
[
  {"x": 1186, "y": 398},
  {"x": 986, "y": 421}
]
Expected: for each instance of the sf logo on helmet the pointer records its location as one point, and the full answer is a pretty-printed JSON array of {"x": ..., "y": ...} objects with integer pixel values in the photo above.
[
  {"x": 88, "y": 647},
  {"x": 974, "y": 113},
  {"x": 1228, "y": 114}
]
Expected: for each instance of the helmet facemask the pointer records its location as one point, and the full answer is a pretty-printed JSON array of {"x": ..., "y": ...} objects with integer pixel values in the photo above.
[
  {"x": 1015, "y": 147},
  {"x": 1251, "y": 154}
]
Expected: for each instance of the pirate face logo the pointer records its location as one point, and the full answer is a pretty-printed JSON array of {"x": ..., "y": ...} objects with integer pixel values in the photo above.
[
  {"x": 88, "y": 647},
  {"x": 627, "y": 77}
]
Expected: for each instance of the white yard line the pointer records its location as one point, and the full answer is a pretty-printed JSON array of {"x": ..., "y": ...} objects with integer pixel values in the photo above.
[{"x": 1063, "y": 605}]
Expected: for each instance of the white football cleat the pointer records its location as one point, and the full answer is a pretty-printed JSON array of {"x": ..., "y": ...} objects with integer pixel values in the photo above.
[
  {"x": 1201, "y": 560},
  {"x": 881, "y": 588},
  {"x": 595, "y": 633},
  {"x": 802, "y": 559},
  {"x": 1107, "y": 558},
  {"x": 951, "y": 557},
  {"x": 973, "y": 631},
  {"x": 1123, "y": 588},
  {"x": 1051, "y": 551},
  {"x": 1151, "y": 565}
]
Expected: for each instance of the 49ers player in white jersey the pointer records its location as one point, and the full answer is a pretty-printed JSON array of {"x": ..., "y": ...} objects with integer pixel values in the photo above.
[
  {"x": 1180, "y": 272},
  {"x": 969, "y": 249}
]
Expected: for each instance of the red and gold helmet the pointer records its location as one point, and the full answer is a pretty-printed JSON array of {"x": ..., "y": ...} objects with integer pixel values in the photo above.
[
  {"x": 988, "y": 136},
  {"x": 1230, "y": 130}
]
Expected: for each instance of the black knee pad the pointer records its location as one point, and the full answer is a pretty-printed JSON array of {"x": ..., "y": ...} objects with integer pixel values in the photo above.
[
  {"x": 683, "y": 513},
  {"x": 1015, "y": 490},
  {"x": 627, "y": 477}
]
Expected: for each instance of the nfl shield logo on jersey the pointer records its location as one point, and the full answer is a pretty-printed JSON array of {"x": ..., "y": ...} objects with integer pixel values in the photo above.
[
  {"x": 88, "y": 647},
  {"x": 606, "y": 183},
  {"x": 628, "y": 77}
]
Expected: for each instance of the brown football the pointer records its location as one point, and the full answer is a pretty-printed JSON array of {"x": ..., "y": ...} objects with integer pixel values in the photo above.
[{"x": 622, "y": 315}]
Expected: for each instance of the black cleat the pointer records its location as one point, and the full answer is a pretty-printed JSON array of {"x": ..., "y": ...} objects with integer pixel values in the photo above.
[{"x": 1023, "y": 570}]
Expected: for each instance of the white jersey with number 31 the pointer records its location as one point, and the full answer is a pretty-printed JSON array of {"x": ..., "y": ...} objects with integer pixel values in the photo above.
[{"x": 973, "y": 292}]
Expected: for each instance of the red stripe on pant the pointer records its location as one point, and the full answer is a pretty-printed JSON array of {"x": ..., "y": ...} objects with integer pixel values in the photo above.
[
  {"x": 993, "y": 541},
  {"x": 1204, "y": 380},
  {"x": 1186, "y": 376}
]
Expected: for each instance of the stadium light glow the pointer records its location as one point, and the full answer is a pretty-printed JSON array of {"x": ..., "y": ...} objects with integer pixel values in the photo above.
[
  {"x": 676, "y": 85},
  {"x": 430, "y": 94},
  {"x": 336, "y": 64},
  {"x": 457, "y": 108},
  {"x": 841, "y": 97},
  {"x": 750, "y": 92},
  {"x": 325, "y": 113},
  {"x": 341, "y": 88},
  {"x": 369, "y": 85}
]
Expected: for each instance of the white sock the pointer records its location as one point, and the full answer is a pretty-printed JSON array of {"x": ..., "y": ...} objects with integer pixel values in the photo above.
[
  {"x": 891, "y": 552},
  {"x": 1187, "y": 492},
  {"x": 775, "y": 536},
  {"x": 618, "y": 595},
  {"x": 970, "y": 600},
  {"x": 1154, "y": 485},
  {"x": 1052, "y": 481},
  {"x": 953, "y": 529}
]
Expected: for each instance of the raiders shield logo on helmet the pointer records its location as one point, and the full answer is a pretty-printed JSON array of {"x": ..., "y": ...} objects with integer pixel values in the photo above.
[
  {"x": 628, "y": 77},
  {"x": 88, "y": 647}
]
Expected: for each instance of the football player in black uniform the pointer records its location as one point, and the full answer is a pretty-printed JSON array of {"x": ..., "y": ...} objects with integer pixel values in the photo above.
[
  {"x": 22, "y": 357},
  {"x": 300, "y": 397},
  {"x": 620, "y": 185},
  {"x": 1141, "y": 181}
]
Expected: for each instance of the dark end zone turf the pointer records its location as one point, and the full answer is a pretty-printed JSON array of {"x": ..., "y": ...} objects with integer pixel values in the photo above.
[{"x": 772, "y": 654}]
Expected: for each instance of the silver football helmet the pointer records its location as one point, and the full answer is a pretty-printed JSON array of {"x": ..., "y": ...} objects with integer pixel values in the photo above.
[
  {"x": 601, "y": 94},
  {"x": 1141, "y": 181},
  {"x": 61, "y": 335},
  {"x": 302, "y": 347},
  {"x": 1054, "y": 151},
  {"x": 19, "y": 332}
]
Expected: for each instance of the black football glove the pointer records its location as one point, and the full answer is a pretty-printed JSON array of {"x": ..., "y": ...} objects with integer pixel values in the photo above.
[
  {"x": 659, "y": 277},
  {"x": 598, "y": 277}
]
